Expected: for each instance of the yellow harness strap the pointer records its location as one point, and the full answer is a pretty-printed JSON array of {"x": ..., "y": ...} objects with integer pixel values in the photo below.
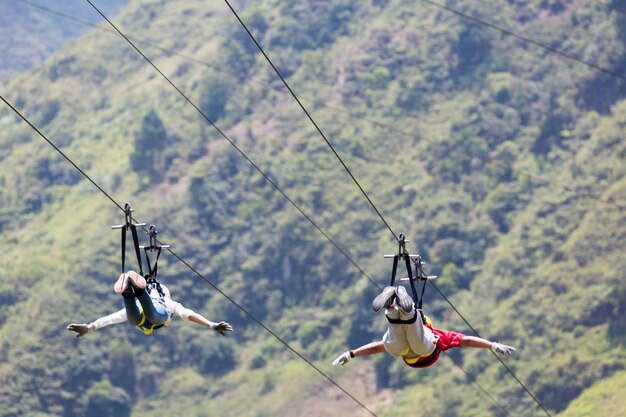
[
  {"x": 146, "y": 330},
  {"x": 417, "y": 358}
]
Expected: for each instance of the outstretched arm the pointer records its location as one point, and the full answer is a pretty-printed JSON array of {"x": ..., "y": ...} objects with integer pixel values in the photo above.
[
  {"x": 478, "y": 342},
  {"x": 222, "y": 327},
  {"x": 82, "y": 328},
  {"x": 187, "y": 314},
  {"x": 369, "y": 349}
]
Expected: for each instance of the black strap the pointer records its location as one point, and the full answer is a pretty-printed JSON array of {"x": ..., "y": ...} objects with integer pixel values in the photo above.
[
  {"x": 152, "y": 270},
  {"x": 393, "y": 271},
  {"x": 133, "y": 229},
  {"x": 123, "y": 249},
  {"x": 407, "y": 261},
  {"x": 400, "y": 321},
  {"x": 419, "y": 274},
  {"x": 421, "y": 299}
]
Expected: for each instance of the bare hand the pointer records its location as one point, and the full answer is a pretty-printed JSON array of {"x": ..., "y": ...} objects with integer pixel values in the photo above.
[
  {"x": 81, "y": 329},
  {"x": 222, "y": 327}
]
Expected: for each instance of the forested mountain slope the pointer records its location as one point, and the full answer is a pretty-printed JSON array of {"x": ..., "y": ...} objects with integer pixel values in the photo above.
[
  {"x": 500, "y": 159},
  {"x": 32, "y": 30}
]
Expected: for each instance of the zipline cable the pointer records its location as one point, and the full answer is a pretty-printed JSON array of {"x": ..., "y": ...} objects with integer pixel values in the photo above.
[
  {"x": 267, "y": 178},
  {"x": 313, "y": 122},
  {"x": 526, "y": 39},
  {"x": 375, "y": 208},
  {"x": 197, "y": 272},
  {"x": 60, "y": 151},
  {"x": 238, "y": 149},
  {"x": 174, "y": 254},
  {"x": 481, "y": 388},
  {"x": 208, "y": 281},
  {"x": 381, "y": 125},
  {"x": 509, "y": 370},
  {"x": 216, "y": 127}
]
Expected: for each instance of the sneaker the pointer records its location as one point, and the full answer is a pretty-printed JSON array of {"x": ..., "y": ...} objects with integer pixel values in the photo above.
[
  {"x": 384, "y": 299},
  {"x": 126, "y": 281},
  {"x": 121, "y": 284},
  {"x": 137, "y": 281},
  {"x": 404, "y": 300}
]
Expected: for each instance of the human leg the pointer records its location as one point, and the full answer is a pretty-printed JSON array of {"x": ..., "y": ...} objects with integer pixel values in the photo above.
[
  {"x": 156, "y": 313},
  {"x": 137, "y": 302},
  {"x": 394, "y": 340},
  {"x": 420, "y": 338},
  {"x": 133, "y": 311}
]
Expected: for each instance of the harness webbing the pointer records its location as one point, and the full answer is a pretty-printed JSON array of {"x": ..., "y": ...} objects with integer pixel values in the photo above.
[
  {"x": 133, "y": 228},
  {"x": 419, "y": 274},
  {"x": 153, "y": 269}
]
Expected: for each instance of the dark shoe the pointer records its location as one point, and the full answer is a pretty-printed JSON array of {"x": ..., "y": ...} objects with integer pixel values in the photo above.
[
  {"x": 384, "y": 299},
  {"x": 404, "y": 300}
]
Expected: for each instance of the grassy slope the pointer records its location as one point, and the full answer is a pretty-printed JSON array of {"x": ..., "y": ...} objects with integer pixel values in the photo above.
[
  {"x": 111, "y": 89},
  {"x": 600, "y": 399}
]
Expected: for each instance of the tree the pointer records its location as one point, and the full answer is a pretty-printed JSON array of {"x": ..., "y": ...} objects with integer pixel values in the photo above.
[
  {"x": 147, "y": 157},
  {"x": 214, "y": 96},
  {"x": 105, "y": 400},
  {"x": 122, "y": 368}
]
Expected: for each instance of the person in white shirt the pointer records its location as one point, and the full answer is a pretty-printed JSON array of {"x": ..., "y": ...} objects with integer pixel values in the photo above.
[
  {"x": 147, "y": 306},
  {"x": 409, "y": 337}
]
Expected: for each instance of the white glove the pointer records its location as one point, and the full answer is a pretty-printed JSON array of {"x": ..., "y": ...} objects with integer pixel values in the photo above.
[
  {"x": 222, "y": 327},
  {"x": 342, "y": 359},
  {"x": 81, "y": 329},
  {"x": 502, "y": 349}
]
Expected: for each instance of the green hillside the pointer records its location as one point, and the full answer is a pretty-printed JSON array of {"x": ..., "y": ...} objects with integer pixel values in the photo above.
[
  {"x": 30, "y": 31},
  {"x": 501, "y": 160}
]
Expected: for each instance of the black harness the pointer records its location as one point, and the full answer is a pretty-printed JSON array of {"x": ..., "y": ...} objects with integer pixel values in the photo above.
[
  {"x": 153, "y": 269},
  {"x": 419, "y": 274},
  {"x": 151, "y": 276}
]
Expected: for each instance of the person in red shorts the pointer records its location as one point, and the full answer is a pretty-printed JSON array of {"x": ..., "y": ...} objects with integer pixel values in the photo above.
[{"x": 419, "y": 344}]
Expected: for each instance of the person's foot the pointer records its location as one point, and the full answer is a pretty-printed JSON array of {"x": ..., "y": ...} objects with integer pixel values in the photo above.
[
  {"x": 126, "y": 281},
  {"x": 121, "y": 284},
  {"x": 404, "y": 300},
  {"x": 384, "y": 299},
  {"x": 136, "y": 280}
]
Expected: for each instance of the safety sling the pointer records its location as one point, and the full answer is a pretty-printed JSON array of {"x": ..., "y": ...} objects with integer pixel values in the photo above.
[
  {"x": 144, "y": 325},
  {"x": 431, "y": 358},
  {"x": 419, "y": 274}
]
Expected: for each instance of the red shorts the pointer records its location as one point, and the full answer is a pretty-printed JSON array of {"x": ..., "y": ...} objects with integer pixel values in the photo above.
[{"x": 447, "y": 340}]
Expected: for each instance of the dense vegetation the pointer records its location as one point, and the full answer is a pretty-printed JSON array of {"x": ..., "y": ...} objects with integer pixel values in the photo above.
[{"x": 501, "y": 161}]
